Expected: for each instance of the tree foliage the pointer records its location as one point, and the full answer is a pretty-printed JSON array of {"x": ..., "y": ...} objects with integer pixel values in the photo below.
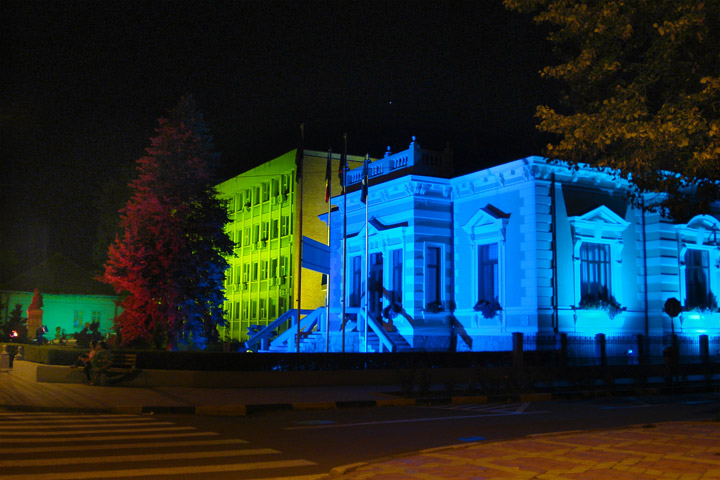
[
  {"x": 642, "y": 92},
  {"x": 169, "y": 259}
]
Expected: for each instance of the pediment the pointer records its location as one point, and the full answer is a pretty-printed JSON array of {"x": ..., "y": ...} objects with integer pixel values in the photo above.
[
  {"x": 599, "y": 222},
  {"x": 486, "y": 220}
]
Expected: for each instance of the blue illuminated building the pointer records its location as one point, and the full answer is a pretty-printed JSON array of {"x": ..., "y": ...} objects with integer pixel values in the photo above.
[{"x": 532, "y": 246}]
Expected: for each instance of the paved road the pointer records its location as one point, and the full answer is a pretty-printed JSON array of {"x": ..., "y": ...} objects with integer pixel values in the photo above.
[{"x": 52, "y": 446}]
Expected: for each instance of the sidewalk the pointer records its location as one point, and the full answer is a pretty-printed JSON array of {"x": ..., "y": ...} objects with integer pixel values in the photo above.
[
  {"x": 678, "y": 450},
  {"x": 17, "y": 393}
]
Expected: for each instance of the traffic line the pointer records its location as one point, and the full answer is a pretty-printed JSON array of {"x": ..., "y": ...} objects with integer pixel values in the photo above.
[
  {"x": 411, "y": 420},
  {"x": 70, "y": 425},
  {"x": 47, "y": 462},
  {"x": 78, "y": 432},
  {"x": 109, "y": 437},
  {"x": 166, "y": 472},
  {"x": 123, "y": 446}
]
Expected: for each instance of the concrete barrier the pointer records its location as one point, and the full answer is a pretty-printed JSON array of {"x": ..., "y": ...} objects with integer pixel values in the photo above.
[{"x": 236, "y": 379}]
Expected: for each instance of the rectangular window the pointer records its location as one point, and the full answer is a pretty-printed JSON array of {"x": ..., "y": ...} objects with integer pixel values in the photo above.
[
  {"x": 77, "y": 319},
  {"x": 236, "y": 311},
  {"x": 697, "y": 275},
  {"x": 397, "y": 277},
  {"x": 263, "y": 270},
  {"x": 285, "y": 225},
  {"x": 487, "y": 272},
  {"x": 254, "y": 271},
  {"x": 264, "y": 231},
  {"x": 253, "y": 310},
  {"x": 275, "y": 230},
  {"x": 255, "y": 233},
  {"x": 247, "y": 236},
  {"x": 356, "y": 281},
  {"x": 263, "y": 311},
  {"x": 238, "y": 238},
  {"x": 273, "y": 268},
  {"x": 265, "y": 192},
  {"x": 433, "y": 279},
  {"x": 256, "y": 195},
  {"x": 245, "y": 272},
  {"x": 271, "y": 308},
  {"x": 595, "y": 271},
  {"x": 96, "y": 315}
]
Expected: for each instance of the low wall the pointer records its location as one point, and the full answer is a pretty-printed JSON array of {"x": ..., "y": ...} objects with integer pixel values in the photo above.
[{"x": 233, "y": 379}]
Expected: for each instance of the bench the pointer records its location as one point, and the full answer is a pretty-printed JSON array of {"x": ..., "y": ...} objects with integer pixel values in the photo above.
[{"x": 121, "y": 365}]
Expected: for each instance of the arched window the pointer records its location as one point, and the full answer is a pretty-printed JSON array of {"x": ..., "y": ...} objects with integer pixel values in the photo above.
[{"x": 698, "y": 262}]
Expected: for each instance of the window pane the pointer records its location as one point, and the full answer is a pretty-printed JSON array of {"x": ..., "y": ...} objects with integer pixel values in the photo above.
[
  {"x": 595, "y": 271},
  {"x": 487, "y": 272},
  {"x": 697, "y": 272},
  {"x": 432, "y": 275}
]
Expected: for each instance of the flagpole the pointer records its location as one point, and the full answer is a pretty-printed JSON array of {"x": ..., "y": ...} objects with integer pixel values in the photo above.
[
  {"x": 299, "y": 159},
  {"x": 328, "y": 177},
  {"x": 366, "y": 179},
  {"x": 343, "y": 166}
]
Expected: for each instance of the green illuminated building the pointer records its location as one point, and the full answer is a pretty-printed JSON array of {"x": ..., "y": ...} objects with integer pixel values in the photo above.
[{"x": 262, "y": 281}]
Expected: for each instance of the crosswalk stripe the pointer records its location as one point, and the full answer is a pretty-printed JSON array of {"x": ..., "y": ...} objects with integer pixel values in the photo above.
[
  {"x": 166, "y": 472},
  {"x": 78, "y": 432},
  {"x": 123, "y": 446},
  {"x": 24, "y": 426},
  {"x": 46, "y": 462},
  {"x": 109, "y": 437},
  {"x": 24, "y": 415}
]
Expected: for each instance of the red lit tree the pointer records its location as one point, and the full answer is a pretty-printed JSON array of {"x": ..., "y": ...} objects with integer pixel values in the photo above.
[{"x": 169, "y": 258}]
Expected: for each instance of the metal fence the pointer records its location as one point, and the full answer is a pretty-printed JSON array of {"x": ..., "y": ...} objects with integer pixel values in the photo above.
[{"x": 582, "y": 350}]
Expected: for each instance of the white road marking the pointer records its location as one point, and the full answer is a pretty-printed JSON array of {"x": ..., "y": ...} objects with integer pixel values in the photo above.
[
  {"x": 56, "y": 426},
  {"x": 46, "y": 462},
  {"x": 122, "y": 446},
  {"x": 411, "y": 420},
  {"x": 109, "y": 437},
  {"x": 166, "y": 472},
  {"x": 78, "y": 432}
]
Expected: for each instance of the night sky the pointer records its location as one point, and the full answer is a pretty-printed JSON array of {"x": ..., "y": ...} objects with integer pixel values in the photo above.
[{"x": 83, "y": 83}]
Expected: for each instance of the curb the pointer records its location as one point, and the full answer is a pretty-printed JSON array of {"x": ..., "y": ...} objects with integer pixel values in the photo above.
[{"x": 240, "y": 409}]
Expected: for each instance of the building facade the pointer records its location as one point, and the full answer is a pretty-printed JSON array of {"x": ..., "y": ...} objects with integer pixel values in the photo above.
[
  {"x": 72, "y": 298},
  {"x": 529, "y": 246},
  {"x": 264, "y": 203}
]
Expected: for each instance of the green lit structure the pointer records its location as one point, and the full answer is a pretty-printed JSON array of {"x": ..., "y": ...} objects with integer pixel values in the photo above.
[{"x": 262, "y": 281}]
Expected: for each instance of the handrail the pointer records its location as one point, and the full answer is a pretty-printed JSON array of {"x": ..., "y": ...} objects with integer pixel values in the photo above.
[
  {"x": 306, "y": 325},
  {"x": 374, "y": 325},
  {"x": 262, "y": 336}
]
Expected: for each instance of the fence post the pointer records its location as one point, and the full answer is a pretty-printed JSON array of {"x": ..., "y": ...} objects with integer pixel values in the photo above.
[
  {"x": 4, "y": 359},
  {"x": 563, "y": 349},
  {"x": 518, "y": 357},
  {"x": 704, "y": 350},
  {"x": 640, "y": 348},
  {"x": 600, "y": 348}
]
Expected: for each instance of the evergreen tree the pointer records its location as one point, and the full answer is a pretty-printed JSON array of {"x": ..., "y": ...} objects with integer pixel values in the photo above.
[
  {"x": 169, "y": 259},
  {"x": 642, "y": 92}
]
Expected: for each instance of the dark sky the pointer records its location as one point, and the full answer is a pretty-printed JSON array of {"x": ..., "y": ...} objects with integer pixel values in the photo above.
[{"x": 83, "y": 83}]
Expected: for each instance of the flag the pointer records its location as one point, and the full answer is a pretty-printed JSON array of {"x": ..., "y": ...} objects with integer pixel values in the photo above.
[
  {"x": 364, "y": 193},
  {"x": 299, "y": 153},
  {"x": 343, "y": 166},
  {"x": 328, "y": 174}
]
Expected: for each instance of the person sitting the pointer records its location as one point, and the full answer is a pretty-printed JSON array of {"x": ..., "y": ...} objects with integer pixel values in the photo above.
[
  {"x": 84, "y": 359},
  {"x": 100, "y": 361}
]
